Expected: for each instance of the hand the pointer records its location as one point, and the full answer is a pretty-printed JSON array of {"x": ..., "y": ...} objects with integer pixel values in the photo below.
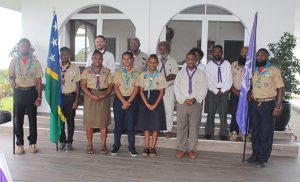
[
  {"x": 249, "y": 96},
  {"x": 13, "y": 84},
  {"x": 38, "y": 101},
  {"x": 94, "y": 97},
  {"x": 126, "y": 105},
  {"x": 220, "y": 93},
  {"x": 276, "y": 112},
  {"x": 75, "y": 104}
]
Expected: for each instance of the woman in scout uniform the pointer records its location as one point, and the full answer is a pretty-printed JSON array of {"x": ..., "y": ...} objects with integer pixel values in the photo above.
[
  {"x": 96, "y": 83},
  {"x": 151, "y": 111},
  {"x": 126, "y": 82}
]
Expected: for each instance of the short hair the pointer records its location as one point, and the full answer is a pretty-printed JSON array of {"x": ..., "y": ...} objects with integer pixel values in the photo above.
[
  {"x": 154, "y": 56},
  {"x": 65, "y": 49},
  {"x": 264, "y": 51},
  {"x": 100, "y": 36},
  {"x": 136, "y": 39},
  {"x": 165, "y": 44},
  {"x": 127, "y": 53},
  {"x": 24, "y": 40},
  {"x": 198, "y": 50},
  {"x": 97, "y": 52},
  {"x": 218, "y": 47},
  {"x": 190, "y": 53}
]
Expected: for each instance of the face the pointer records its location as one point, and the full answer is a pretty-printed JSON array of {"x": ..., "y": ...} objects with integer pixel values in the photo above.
[
  {"x": 244, "y": 52},
  {"x": 261, "y": 56},
  {"x": 127, "y": 60},
  {"x": 152, "y": 63},
  {"x": 65, "y": 56},
  {"x": 217, "y": 54},
  {"x": 191, "y": 61},
  {"x": 99, "y": 43},
  {"x": 97, "y": 60},
  {"x": 134, "y": 45},
  {"x": 163, "y": 51},
  {"x": 198, "y": 57},
  {"x": 24, "y": 48}
]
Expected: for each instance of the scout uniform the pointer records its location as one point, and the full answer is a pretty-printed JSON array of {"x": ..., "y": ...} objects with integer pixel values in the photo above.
[
  {"x": 146, "y": 119},
  {"x": 70, "y": 75},
  {"x": 125, "y": 119},
  {"x": 140, "y": 62},
  {"x": 265, "y": 83},
  {"x": 166, "y": 67},
  {"x": 108, "y": 60},
  {"x": 25, "y": 95},
  {"x": 96, "y": 114}
]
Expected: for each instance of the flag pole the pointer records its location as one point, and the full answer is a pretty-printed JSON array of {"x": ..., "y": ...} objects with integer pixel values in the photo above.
[
  {"x": 245, "y": 142},
  {"x": 56, "y": 146},
  {"x": 14, "y": 132}
]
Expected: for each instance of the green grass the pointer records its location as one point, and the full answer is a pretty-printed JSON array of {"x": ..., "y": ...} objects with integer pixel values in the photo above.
[{"x": 6, "y": 103}]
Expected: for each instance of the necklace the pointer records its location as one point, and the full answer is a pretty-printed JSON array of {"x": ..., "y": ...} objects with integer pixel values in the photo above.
[{"x": 23, "y": 77}]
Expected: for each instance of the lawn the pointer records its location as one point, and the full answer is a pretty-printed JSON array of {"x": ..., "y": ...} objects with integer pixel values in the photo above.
[{"x": 6, "y": 103}]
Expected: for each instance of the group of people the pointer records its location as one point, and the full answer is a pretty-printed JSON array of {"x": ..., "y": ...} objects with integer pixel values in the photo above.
[{"x": 145, "y": 92}]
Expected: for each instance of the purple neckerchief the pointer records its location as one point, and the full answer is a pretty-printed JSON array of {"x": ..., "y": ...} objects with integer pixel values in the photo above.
[
  {"x": 198, "y": 63},
  {"x": 190, "y": 79},
  {"x": 219, "y": 63},
  {"x": 97, "y": 76},
  {"x": 163, "y": 62}
]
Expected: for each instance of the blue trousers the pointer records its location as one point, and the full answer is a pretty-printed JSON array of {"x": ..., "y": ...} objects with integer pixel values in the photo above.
[
  {"x": 262, "y": 124},
  {"x": 125, "y": 120}
]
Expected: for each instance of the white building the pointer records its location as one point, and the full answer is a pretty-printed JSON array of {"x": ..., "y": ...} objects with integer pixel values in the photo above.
[{"x": 195, "y": 23}]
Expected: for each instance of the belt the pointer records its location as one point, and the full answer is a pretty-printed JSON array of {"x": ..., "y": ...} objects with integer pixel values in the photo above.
[
  {"x": 25, "y": 88},
  {"x": 261, "y": 100},
  {"x": 69, "y": 94},
  {"x": 95, "y": 90}
]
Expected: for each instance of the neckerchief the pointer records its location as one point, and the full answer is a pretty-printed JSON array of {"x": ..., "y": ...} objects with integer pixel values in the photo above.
[
  {"x": 263, "y": 72},
  {"x": 127, "y": 77},
  {"x": 93, "y": 70},
  {"x": 63, "y": 70},
  {"x": 219, "y": 63},
  {"x": 163, "y": 62},
  {"x": 23, "y": 77},
  {"x": 151, "y": 77},
  {"x": 190, "y": 89}
]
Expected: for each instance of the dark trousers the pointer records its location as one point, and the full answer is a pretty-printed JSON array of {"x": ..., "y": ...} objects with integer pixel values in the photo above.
[
  {"x": 234, "y": 101},
  {"x": 24, "y": 101},
  {"x": 125, "y": 119},
  {"x": 215, "y": 103},
  {"x": 69, "y": 113},
  {"x": 262, "y": 124}
]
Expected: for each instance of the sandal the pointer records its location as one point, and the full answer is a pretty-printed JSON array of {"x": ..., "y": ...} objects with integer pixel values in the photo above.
[
  {"x": 104, "y": 150},
  {"x": 153, "y": 152},
  {"x": 146, "y": 152},
  {"x": 90, "y": 149}
]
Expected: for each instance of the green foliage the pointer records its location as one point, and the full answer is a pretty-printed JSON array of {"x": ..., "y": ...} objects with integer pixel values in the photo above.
[
  {"x": 80, "y": 56},
  {"x": 5, "y": 88},
  {"x": 6, "y": 103},
  {"x": 14, "y": 52},
  {"x": 283, "y": 58}
]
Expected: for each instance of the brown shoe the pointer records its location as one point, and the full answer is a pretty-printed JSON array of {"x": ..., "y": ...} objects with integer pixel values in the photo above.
[
  {"x": 168, "y": 134},
  {"x": 20, "y": 150},
  {"x": 193, "y": 154},
  {"x": 33, "y": 149},
  {"x": 104, "y": 150},
  {"x": 233, "y": 136},
  {"x": 180, "y": 154}
]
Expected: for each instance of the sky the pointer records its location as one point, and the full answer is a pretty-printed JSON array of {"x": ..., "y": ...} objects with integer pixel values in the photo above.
[{"x": 10, "y": 33}]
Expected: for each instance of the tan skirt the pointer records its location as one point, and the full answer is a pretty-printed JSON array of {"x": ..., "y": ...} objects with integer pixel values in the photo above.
[{"x": 96, "y": 114}]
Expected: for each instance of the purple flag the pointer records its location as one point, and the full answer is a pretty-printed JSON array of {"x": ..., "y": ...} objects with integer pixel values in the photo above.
[
  {"x": 4, "y": 172},
  {"x": 242, "y": 117}
]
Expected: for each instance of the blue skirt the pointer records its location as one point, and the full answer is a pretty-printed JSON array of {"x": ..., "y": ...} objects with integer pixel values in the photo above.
[{"x": 151, "y": 120}]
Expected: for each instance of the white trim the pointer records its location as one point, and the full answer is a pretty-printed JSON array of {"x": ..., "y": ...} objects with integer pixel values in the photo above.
[
  {"x": 103, "y": 16},
  {"x": 204, "y": 39},
  {"x": 163, "y": 34},
  {"x": 196, "y": 17}
]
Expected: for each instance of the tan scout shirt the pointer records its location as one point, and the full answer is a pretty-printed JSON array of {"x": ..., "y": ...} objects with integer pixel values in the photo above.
[
  {"x": 105, "y": 78},
  {"x": 134, "y": 79},
  {"x": 237, "y": 74},
  {"x": 140, "y": 62},
  {"x": 18, "y": 70},
  {"x": 159, "y": 82},
  {"x": 171, "y": 67},
  {"x": 266, "y": 83},
  {"x": 71, "y": 77}
]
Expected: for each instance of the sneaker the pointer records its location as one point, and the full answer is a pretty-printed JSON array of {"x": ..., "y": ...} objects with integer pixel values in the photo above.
[
  {"x": 133, "y": 153},
  {"x": 62, "y": 146},
  {"x": 146, "y": 152},
  {"x": 33, "y": 148},
  {"x": 114, "y": 151},
  {"x": 20, "y": 150},
  {"x": 153, "y": 152},
  {"x": 261, "y": 165},
  {"x": 69, "y": 147}
]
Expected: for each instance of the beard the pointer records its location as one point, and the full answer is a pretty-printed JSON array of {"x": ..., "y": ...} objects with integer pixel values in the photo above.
[
  {"x": 261, "y": 64},
  {"x": 217, "y": 58},
  {"x": 242, "y": 61}
]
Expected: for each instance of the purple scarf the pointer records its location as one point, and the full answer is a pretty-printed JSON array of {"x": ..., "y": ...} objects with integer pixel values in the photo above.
[
  {"x": 190, "y": 79},
  {"x": 219, "y": 63},
  {"x": 163, "y": 62}
]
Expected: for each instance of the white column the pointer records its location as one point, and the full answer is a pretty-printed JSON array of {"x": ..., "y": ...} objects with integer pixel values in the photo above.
[
  {"x": 204, "y": 39},
  {"x": 99, "y": 23},
  {"x": 246, "y": 37}
]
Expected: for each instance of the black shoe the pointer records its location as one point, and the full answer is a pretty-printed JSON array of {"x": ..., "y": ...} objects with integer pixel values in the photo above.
[
  {"x": 207, "y": 136},
  {"x": 114, "y": 151},
  {"x": 262, "y": 164},
  {"x": 252, "y": 160},
  {"x": 62, "y": 146},
  {"x": 133, "y": 153},
  {"x": 224, "y": 138}
]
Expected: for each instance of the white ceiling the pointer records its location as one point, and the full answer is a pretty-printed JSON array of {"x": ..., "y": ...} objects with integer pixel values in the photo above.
[{"x": 11, "y": 4}]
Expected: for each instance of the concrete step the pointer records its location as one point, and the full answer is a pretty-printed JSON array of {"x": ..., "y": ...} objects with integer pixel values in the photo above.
[{"x": 280, "y": 147}]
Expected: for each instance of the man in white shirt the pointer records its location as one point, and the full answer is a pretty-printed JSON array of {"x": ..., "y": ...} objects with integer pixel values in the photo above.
[
  {"x": 139, "y": 57},
  {"x": 169, "y": 68},
  {"x": 190, "y": 90},
  {"x": 108, "y": 57},
  {"x": 199, "y": 55},
  {"x": 219, "y": 76}
]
